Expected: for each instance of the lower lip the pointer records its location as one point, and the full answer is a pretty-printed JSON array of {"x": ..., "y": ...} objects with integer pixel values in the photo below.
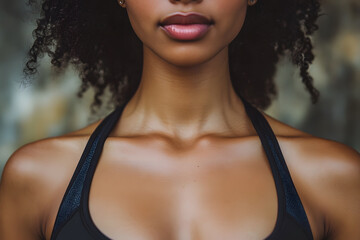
[{"x": 186, "y": 32}]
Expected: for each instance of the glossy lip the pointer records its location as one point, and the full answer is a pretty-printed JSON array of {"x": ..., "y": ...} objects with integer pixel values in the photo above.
[{"x": 186, "y": 26}]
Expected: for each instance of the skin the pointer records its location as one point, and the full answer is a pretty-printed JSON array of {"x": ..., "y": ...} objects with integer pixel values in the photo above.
[{"x": 183, "y": 161}]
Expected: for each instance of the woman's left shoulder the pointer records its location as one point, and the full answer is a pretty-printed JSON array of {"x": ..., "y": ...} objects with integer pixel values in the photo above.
[
  {"x": 317, "y": 150},
  {"x": 328, "y": 172},
  {"x": 313, "y": 147}
]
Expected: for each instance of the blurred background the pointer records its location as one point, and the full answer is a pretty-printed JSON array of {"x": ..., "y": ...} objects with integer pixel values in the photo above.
[{"x": 50, "y": 106}]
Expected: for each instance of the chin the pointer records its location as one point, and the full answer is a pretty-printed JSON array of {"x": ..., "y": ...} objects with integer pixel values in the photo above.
[
  {"x": 187, "y": 62},
  {"x": 187, "y": 57}
]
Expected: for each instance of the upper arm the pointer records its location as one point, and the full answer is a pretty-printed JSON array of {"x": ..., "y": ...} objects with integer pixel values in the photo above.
[
  {"x": 20, "y": 206},
  {"x": 341, "y": 192}
]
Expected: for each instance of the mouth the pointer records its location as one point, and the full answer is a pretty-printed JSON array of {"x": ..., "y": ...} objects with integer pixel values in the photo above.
[{"x": 186, "y": 26}]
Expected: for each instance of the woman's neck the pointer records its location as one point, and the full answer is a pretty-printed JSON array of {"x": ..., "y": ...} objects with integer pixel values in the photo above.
[{"x": 185, "y": 102}]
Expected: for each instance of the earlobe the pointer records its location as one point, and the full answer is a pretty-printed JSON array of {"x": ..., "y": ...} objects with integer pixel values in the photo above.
[
  {"x": 252, "y": 2},
  {"x": 122, "y": 3}
]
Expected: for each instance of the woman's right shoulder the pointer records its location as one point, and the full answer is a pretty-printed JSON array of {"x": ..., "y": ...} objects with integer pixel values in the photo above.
[
  {"x": 36, "y": 175},
  {"x": 43, "y": 158},
  {"x": 52, "y": 152},
  {"x": 44, "y": 154}
]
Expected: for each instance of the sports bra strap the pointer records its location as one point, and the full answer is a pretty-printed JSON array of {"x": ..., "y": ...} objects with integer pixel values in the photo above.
[
  {"x": 73, "y": 194},
  {"x": 113, "y": 119},
  {"x": 284, "y": 184}
]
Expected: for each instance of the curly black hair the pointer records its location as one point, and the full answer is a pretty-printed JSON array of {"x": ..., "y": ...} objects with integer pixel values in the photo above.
[{"x": 97, "y": 38}]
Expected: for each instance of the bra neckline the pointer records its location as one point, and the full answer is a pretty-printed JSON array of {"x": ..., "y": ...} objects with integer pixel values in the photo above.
[{"x": 114, "y": 117}]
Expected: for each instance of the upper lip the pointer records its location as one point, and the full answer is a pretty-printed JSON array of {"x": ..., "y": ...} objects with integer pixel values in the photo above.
[{"x": 185, "y": 18}]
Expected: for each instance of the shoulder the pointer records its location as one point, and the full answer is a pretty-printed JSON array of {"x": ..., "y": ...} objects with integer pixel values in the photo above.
[
  {"x": 33, "y": 168},
  {"x": 328, "y": 173},
  {"x": 315, "y": 149},
  {"x": 34, "y": 179},
  {"x": 38, "y": 162},
  {"x": 332, "y": 173}
]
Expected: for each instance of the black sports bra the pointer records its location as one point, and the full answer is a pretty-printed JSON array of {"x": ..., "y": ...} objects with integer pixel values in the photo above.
[{"x": 73, "y": 220}]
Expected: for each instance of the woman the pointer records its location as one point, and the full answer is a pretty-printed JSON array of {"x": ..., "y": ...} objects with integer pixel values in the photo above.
[{"x": 186, "y": 154}]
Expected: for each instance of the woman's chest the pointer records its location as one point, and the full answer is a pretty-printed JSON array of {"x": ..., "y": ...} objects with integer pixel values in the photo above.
[{"x": 164, "y": 200}]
